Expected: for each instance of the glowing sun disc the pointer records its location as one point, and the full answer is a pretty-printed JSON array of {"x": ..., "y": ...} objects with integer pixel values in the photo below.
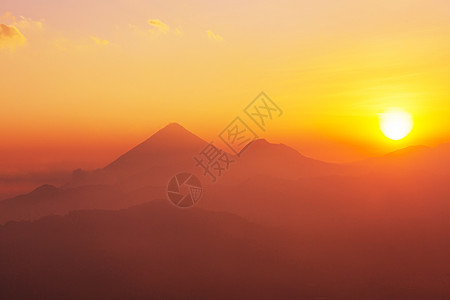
[{"x": 396, "y": 124}]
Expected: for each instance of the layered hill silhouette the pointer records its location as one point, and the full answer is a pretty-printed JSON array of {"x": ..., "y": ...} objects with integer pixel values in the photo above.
[
  {"x": 142, "y": 174},
  {"x": 49, "y": 200},
  {"x": 147, "y": 251},
  {"x": 276, "y": 225},
  {"x": 149, "y": 166}
]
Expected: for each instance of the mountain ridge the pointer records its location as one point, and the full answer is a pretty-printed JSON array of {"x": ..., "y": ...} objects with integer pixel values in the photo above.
[{"x": 144, "y": 171}]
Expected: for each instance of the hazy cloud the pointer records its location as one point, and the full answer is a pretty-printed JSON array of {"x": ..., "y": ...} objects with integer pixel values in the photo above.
[
  {"x": 213, "y": 36},
  {"x": 20, "y": 22},
  {"x": 99, "y": 41},
  {"x": 10, "y": 37},
  {"x": 159, "y": 25},
  {"x": 11, "y": 28},
  {"x": 83, "y": 44}
]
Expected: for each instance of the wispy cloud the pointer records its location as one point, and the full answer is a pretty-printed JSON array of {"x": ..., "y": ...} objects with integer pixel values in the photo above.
[
  {"x": 160, "y": 26},
  {"x": 178, "y": 31},
  {"x": 213, "y": 36},
  {"x": 82, "y": 44},
  {"x": 12, "y": 28},
  {"x": 10, "y": 37},
  {"x": 99, "y": 41},
  {"x": 21, "y": 21}
]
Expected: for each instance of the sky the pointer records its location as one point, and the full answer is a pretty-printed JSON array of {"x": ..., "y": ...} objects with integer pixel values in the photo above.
[{"x": 82, "y": 82}]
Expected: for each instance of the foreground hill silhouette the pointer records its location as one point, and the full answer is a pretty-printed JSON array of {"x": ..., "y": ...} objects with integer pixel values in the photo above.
[
  {"x": 152, "y": 250},
  {"x": 156, "y": 251}
]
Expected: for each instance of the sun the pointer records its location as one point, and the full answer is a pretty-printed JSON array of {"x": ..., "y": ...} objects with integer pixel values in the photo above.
[{"x": 396, "y": 123}]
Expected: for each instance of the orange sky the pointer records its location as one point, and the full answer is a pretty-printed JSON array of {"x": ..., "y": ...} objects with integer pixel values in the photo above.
[{"x": 82, "y": 82}]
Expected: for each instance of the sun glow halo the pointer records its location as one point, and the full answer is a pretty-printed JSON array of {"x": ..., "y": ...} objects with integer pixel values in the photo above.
[{"x": 396, "y": 124}]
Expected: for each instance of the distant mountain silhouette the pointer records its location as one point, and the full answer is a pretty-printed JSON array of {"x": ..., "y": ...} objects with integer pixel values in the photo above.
[
  {"x": 167, "y": 144},
  {"x": 172, "y": 149},
  {"x": 13, "y": 184},
  {"x": 414, "y": 159},
  {"x": 153, "y": 162},
  {"x": 142, "y": 174},
  {"x": 278, "y": 160}
]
